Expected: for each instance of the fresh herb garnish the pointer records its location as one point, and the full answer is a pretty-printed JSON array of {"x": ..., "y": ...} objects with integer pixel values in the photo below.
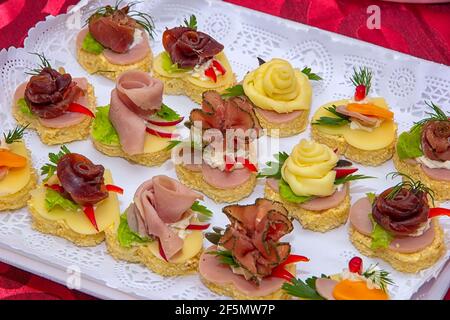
[
  {"x": 303, "y": 289},
  {"x": 172, "y": 144},
  {"x": 408, "y": 183},
  {"x": 49, "y": 169},
  {"x": 378, "y": 277},
  {"x": 44, "y": 63},
  {"x": 363, "y": 76},
  {"x": 225, "y": 257},
  {"x": 311, "y": 75},
  {"x": 192, "y": 23},
  {"x": 126, "y": 236},
  {"x": 14, "y": 135},
  {"x": 273, "y": 169},
  {"x": 54, "y": 198},
  {"x": 438, "y": 114},
  {"x": 206, "y": 214},
  {"x": 351, "y": 177},
  {"x": 332, "y": 121},
  {"x": 235, "y": 91},
  {"x": 167, "y": 113}
]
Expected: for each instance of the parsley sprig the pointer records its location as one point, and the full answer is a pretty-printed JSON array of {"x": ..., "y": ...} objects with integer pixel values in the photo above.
[
  {"x": 192, "y": 23},
  {"x": 205, "y": 213},
  {"x": 363, "y": 76},
  {"x": 235, "y": 91},
  {"x": 311, "y": 75},
  {"x": 273, "y": 169},
  {"x": 378, "y": 277},
  {"x": 43, "y": 63},
  {"x": 15, "y": 135},
  {"x": 332, "y": 121},
  {"x": 49, "y": 169}
]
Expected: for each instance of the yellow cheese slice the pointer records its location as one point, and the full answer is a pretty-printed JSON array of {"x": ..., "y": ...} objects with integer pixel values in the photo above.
[
  {"x": 193, "y": 243},
  {"x": 106, "y": 211},
  {"x": 154, "y": 144},
  {"x": 17, "y": 178}
]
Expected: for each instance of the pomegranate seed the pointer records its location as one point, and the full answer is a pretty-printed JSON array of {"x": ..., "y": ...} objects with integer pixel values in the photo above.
[
  {"x": 360, "y": 92},
  {"x": 355, "y": 265}
]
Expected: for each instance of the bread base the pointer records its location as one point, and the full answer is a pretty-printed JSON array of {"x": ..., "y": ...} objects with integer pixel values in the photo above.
[
  {"x": 194, "y": 180},
  {"x": 52, "y": 136},
  {"x": 321, "y": 221},
  {"x": 285, "y": 129},
  {"x": 61, "y": 229},
  {"x": 231, "y": 291},
  {"x": 141, "y": 254},
  {"x": 94, "y": 63},
  {"x": 404, "y": 262},
  {"x": 19, "y": 199},
  {"x": 145, "y": 159},
  {"x": 366, "y": 157},
  {"x": 441, "y": 188}
]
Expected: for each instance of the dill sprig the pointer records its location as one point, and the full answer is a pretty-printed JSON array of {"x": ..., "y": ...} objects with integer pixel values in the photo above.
[
  {"x": 378, "y": 277},
  {"x": 192, "y": 23},
  {"x": 408, "y": 183},
  {"x": 363, "y": 76},
  {"x": 437, "y": 114},
  {"x": 331, "y": 121},
  {"x": 49, "y": 169},
  {"x": 351, "y": 177},
  {"x": 44, "y": 63},
  {"x": 15, "y": 135}
]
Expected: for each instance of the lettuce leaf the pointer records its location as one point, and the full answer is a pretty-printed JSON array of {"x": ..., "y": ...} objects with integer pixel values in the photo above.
[
  {"x": 126, "y": 236},
  {"x": 380, "y": 237},
  {"x": 102, "y": 129},
  {"x": 287, "y": 194},
  {"x": 23, "y": 107},
  {"x": 409, "y": 143},
  {"x": 91, "y": 45},
  {"x": 169, "y": 66},
  {"x": 54, "y": 198}
]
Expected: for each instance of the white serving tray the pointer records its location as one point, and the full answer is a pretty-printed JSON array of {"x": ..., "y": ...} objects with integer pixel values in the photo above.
[{"x": 403, "y": 80}]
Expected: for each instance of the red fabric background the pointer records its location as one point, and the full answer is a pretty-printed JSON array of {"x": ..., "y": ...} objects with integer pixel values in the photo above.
[{"x": 419, "y": 30}]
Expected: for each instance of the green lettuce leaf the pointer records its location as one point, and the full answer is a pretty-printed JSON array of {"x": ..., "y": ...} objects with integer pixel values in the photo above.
[
  {"x": 126, "y": 236},
  {"x": 169, "y": 66},
  {"x": 23, "y": 107},
  {"x": 91, "y": 45},
  {"x": 54, "y": 198},
  {"x": 288, "y": 195},
  {"x": 409, "y": 143},
  {"x": 380, "y": 237},
  {"x": 102, "y": 129}
]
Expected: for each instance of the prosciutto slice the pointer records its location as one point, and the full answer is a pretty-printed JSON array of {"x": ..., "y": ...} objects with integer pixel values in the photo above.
[
  {"x": 136, "y": 96},
  {"x": 359, "y": 218},
  {"x": 213, "y": 270},
  {"x": 158, "y": 202},
  {"x": 440, "y": 174},
  {"x": 224, "y": 179},
  {"x": 276, "y": 117}
]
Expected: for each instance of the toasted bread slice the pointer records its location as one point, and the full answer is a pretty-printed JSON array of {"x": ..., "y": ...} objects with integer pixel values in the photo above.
[
  {"x": 285, "y": 129},
  {"x": 19, "y": 199}
]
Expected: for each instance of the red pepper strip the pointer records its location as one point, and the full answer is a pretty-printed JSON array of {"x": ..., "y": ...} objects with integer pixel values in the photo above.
[
  {"x": 210, "y": 73},
  {"x": 198, "y": 226},
  {"x": 250, "y": 166},
  {"x": 113, "y": 188},
  {"x": 293, "y": 258},
  {"x": 219, "y": 67},
  {"x": 281, "y": 272},
  {"x": 55, "y": 187},
  {"x": 75, "y": 107},
  {"x": 340, "y": 173},
  {"x": 161, "y": 251},
  {"x": 435, "y": 212},
  {"x": 360, "y": 92},
  {"x": 229, "y": 163},
  {"x": 90, "y": 214}
]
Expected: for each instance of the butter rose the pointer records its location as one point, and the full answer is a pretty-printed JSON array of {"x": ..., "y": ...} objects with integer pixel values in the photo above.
[
  {"x": 277, "y": 86},
  {"x": 309, "y": 169}
]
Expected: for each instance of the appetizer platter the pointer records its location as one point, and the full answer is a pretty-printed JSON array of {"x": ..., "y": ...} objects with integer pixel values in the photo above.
[{"x": 358, "y": 125}]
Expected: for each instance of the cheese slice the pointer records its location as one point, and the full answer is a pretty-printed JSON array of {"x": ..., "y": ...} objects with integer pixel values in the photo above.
[
  {"x": 193, "y": 243},
  {"x": 17, "y": 178},
  {"x": 154, "y": 144},
  {"x": 107, "y": 211}
]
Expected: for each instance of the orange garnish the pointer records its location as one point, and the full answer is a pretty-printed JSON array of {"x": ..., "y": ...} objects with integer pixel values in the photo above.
[
  {"x": 357, "y": 290},
  {"x": 11, "y": 160},
  {"x": 369, "y": 109}
]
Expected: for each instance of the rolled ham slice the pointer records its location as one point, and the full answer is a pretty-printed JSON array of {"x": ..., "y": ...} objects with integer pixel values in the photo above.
[
  {"x": 212, "y": 270},
  {"x": 3, "y": 172},
  {"x": 223, "y": 179},
  {"x": 133, "y": 55},
  {"x": 67, "y": 119},
  {"x": 325, "y": 288},
  {"x": 359, "y": 218},
  {"x": 276, "y": 117},
  {"x": 439, "y": 174}
]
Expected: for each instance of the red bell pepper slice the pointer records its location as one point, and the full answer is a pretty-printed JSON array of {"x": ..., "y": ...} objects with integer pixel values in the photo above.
[
  {"x": 198, "y": 226},
  {"x": 340, "y": 173},
  {"x": 90, "y": 214},
  {"x": 250, "y": 166},
  {"x": 113, "y": 188},
  {"x": 219, "y": 67},
  {"x": 436, "y": 212},
  {"x": 210, "y": 73},
  {"x": 76, "y": 107},
  {"x": 294, "y": 258},
  {"x": 55, "y": 187},
  {"x": 161, "y": 251},
  {"x": 281, "y": 272}
]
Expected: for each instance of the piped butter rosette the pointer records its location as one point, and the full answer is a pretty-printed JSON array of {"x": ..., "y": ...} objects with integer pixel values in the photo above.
[
  {"x": 309, "y": 169},
  {"x": 277, "y": 86}
]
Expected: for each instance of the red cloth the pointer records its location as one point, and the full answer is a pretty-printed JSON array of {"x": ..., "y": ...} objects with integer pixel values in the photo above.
[{"x": 420, "y": 30}]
